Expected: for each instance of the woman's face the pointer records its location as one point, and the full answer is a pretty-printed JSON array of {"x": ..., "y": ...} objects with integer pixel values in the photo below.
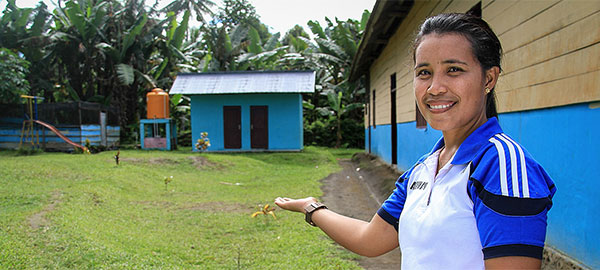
[{"x": 449, "y": 83}]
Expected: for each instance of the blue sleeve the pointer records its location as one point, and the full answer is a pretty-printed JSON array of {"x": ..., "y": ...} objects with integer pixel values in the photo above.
[
  {"x": 512, "y": 194},
  {"x": 392, "y": 207}
]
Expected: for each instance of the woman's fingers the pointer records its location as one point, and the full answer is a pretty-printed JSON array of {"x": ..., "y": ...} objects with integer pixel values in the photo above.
[
  {"x": 296, "y": 205},
  {"x": 283, "y": 203}
]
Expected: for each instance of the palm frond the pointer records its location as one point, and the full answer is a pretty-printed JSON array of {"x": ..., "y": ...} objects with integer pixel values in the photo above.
[
  {"x": 145, "y": 78},
  {"x": 125, "y": 74}
]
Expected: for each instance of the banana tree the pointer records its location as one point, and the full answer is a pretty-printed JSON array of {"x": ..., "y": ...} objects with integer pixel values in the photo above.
[
  {"x": 262, "y": 56},
  {"x": 23, "y": 30},
  {"x": 337, "y": 109},
  {"x": 331, "y": 53},
  {"x": 13, "y": 74},
  {"x": 200, "y": 7},
  {"x": 223, "y": 48}
]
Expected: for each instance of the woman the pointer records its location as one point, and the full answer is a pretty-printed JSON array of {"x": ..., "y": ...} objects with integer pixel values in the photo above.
[{"x": 478, "y": 199}]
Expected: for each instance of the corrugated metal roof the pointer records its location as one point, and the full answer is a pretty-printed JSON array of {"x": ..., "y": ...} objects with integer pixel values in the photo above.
[{"x": 244, "y": 82}]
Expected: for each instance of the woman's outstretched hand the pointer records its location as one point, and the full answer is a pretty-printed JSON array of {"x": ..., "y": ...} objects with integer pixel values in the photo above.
[{"x": 296, "y": 205}]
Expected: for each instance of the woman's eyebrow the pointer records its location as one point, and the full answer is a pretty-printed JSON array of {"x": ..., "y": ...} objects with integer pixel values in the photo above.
[
  {"x": 449, "y": 61},
  {"x": 454, "y": 61},
  {"x": 421, "y": 65}
]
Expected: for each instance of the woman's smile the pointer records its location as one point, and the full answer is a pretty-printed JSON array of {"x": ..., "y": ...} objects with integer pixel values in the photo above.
[{"x": 439, "y": 107}]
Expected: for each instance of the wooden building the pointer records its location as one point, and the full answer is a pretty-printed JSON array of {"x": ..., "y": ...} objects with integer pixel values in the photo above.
[
  {"x": 548, "y": 98},
  {"x": 247, "y": 111}
]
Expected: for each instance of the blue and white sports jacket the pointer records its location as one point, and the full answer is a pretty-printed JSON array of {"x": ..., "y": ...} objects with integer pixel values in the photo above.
[{"x": 491, "y": 200}]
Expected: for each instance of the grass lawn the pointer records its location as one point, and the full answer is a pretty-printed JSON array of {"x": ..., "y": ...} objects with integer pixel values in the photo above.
[{"x": 78, "y": 211}]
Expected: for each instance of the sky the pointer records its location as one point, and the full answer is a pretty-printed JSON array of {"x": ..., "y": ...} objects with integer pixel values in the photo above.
[{"x": 282, "y": 15}]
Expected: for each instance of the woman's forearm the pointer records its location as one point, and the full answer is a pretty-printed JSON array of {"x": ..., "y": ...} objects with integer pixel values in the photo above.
[{"x": 369, "y": 239}]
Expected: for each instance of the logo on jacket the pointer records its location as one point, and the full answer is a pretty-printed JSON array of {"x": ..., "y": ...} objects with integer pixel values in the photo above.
[{"x": 418, "y": 185}]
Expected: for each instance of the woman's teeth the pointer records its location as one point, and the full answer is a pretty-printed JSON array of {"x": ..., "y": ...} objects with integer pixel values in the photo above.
[{"x": 440, "y": 106}]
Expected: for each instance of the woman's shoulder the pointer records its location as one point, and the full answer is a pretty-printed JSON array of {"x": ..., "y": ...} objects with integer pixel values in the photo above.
[{"x": 504, "y": 167}]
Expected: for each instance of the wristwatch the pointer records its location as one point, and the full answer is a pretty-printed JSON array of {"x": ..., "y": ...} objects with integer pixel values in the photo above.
[{"x": 310, "y": 209}]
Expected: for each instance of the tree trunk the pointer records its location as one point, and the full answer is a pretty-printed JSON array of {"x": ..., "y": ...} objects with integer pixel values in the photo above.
[{"x": 338, "y": 142}]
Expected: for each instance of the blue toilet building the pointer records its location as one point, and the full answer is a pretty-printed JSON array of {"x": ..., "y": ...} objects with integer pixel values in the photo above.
[{"x": 247, "y": 111}]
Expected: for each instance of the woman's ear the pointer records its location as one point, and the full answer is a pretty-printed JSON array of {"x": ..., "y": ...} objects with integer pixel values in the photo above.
[{"x": 491, "y": 77}]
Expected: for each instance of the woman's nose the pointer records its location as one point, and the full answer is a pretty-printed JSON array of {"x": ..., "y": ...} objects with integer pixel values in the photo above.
[{"x": 437, "y": 86}]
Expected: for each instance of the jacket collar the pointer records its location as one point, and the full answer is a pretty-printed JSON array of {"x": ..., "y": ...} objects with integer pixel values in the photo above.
[{"x": 472, "y": 145}]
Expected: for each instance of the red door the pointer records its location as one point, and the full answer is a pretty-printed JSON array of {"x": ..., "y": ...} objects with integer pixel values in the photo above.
[
  {"x": 232, "y": 127},
  {"x": 259, "y": 127}
]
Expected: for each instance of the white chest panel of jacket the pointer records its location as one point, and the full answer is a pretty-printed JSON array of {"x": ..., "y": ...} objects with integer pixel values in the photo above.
[{"x": 437, "y": 225}]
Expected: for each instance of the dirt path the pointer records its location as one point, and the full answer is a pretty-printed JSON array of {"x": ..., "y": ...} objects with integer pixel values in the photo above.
[{"x": 348, "y": 193}]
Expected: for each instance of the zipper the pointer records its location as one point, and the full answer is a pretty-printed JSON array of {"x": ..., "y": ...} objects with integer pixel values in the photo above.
[{"x": 430, "y": 191}]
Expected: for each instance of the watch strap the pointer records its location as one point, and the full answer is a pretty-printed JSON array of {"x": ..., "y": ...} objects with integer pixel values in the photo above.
[{"x": 310, "y": 209}]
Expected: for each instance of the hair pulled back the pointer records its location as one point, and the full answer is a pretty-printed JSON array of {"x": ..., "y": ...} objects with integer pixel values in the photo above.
[{"x": 484, "y": 43}]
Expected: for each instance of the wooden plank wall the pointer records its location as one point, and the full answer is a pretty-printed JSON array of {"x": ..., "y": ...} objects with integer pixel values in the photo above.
[{"x": 552, "y": 52}]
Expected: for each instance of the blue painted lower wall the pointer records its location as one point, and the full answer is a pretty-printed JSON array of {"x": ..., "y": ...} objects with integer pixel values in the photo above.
[
  {"x": 412, "y": 143},
  {"x": 564, "y": 140},
  {"x": 284, "y": 116}
]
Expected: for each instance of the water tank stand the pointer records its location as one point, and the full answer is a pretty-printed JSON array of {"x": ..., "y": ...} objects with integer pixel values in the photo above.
[{"x": 151, "y": 136}]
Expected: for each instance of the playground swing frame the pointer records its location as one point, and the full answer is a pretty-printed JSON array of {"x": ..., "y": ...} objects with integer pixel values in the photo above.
[{"x": 29, "y": 125}]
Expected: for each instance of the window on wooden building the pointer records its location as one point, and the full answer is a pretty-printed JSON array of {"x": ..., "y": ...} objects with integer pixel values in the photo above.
[
  {"x": 373, "y": 108},
  {"x": 421, "y": 122},
  {"x": 393, "y": 120}
]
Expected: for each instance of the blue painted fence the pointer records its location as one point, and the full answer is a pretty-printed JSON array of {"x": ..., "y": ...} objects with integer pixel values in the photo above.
[{"x": 10, "y": 135}]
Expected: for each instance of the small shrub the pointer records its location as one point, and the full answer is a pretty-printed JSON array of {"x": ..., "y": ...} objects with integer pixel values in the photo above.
[
  {"x": 167, "y": 181},
  {"x": 28, "y": 151},
  {"x": 204, "y": 142}
]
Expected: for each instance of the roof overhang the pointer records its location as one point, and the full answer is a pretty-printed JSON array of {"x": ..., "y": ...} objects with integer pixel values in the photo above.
[{"x": 386, "y": 17}]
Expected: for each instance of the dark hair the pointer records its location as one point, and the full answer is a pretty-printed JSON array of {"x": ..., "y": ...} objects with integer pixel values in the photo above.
[{"x": 485, "y": 44}]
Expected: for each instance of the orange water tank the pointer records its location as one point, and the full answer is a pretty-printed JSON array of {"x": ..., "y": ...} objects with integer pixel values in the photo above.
[{"x": 157, "y": 101}]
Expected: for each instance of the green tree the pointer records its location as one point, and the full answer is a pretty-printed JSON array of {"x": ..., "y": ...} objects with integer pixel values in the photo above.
[
  {"x": 23, "y": 30},
  {"x": 237, "y": 12},
  {"x": 13, "y": 76},
  {"x": 337, "y": 109},
  {"x": 237, "y": 40},
  {"x": 331, "y": 55},
  {"x": 199, "y": 7},
  {"x": 294, "y": 33}
]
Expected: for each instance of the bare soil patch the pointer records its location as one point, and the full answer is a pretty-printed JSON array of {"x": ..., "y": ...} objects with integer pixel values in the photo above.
[
  {"x": 203, "y": 206},
  {"x": 357, "y": 191},
  {"x": 218, "y": 207},
  {"x": 39, "y": 220},
  {"x": 198, "y": 161},
  {"x": 154, "y": 161},
  {"x": 202, "y": 162}
]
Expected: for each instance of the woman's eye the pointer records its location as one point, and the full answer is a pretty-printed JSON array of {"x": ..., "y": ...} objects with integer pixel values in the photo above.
[
  {"x": 422, "y": 73},
  {"x": 455, "y": 69}
]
